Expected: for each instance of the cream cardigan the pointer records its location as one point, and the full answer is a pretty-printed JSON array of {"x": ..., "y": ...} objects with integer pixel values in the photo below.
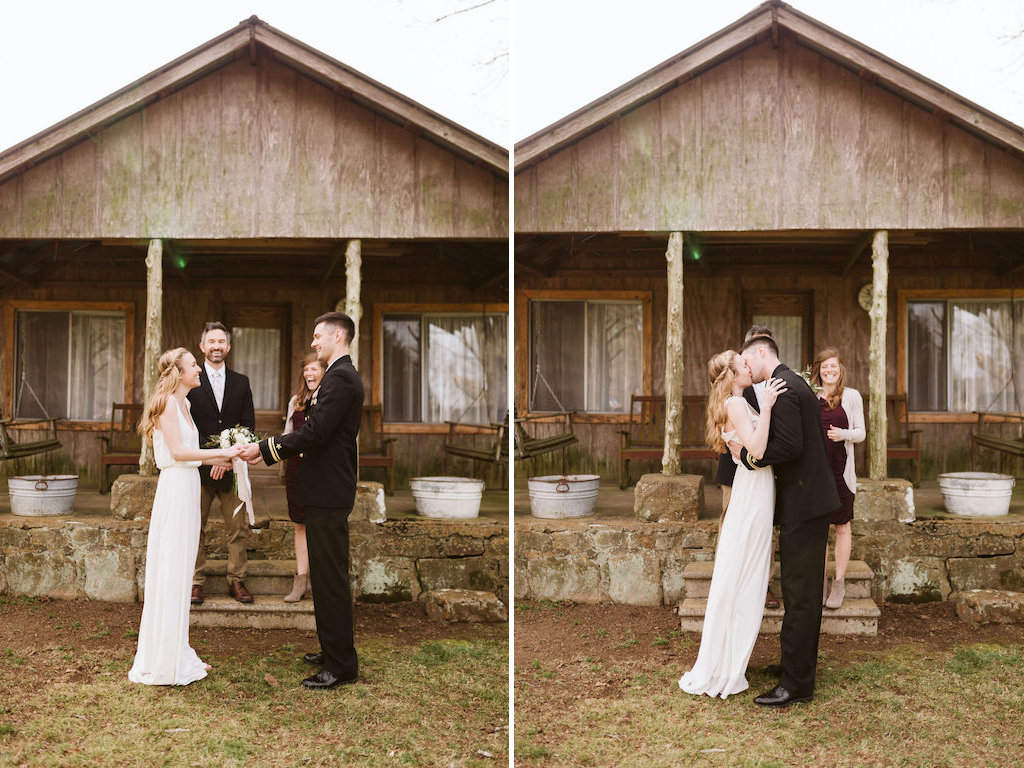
[{"x": 853, "y": 404}]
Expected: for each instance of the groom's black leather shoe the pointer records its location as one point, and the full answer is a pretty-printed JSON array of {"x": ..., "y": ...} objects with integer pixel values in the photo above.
[
  {"x": 780, "y": 697},
  {"x": 324, "y": 680},
  {"x": 316, "y": 659}
]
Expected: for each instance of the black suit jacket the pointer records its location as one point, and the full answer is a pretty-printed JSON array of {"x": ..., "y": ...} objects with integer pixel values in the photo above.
[
  {"x": 804, "y": 485},
  {"x": 726, "y": 466},
  {"x": 327, "y": 441},
  {"x": 236, "y": 410}
]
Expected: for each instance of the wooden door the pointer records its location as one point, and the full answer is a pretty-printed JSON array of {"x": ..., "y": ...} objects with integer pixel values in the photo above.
[
  {"x": 261, "y": 349},
  {"x": 790, "y": 316}
]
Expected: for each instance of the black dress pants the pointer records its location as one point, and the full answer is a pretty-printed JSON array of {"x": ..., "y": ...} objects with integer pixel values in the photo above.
[
  {"x": 327, "y": 542},
  {"x": 802, "y": 552}
]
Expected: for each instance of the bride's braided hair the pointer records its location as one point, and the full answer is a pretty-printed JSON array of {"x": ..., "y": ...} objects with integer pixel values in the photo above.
[
  {"x": 721, "y": 372},
  {"x": 168, "y": 370}
]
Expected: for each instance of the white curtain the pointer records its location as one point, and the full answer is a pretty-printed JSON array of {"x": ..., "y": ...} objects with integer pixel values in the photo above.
[
  {"x": 981, "y": 357},
  {"x": 615, "y": 357},
  {"x": 926, "y": 356},
  {"x": 466, "y": 363},
  {"x": 789, "y": 337},
  {"x": 401, "y": 368},
  {"x": 97, "y": 365},
  {"x": 256, "y": 352}
]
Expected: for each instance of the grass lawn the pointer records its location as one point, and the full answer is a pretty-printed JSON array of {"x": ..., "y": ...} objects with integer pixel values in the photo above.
[
  {"x": 428, "y": 695},
  {"x": 600, "y": 690}
]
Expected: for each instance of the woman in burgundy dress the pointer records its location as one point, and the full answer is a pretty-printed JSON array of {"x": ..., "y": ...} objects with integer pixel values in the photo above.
[
  {"x": 842, "y": 418},
  {"x": 312, "y": 372}
]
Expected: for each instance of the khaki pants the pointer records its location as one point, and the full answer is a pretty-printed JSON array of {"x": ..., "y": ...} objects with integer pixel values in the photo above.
[{"x": 237, "y": 528}]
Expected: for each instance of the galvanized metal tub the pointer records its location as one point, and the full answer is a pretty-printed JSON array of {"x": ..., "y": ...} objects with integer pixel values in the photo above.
[
  {"x": 563, "y": 496},
  {"x": 447, "y": 497},
  {"x": 42, "y": 495},
  {"x": 976, "y": 494}
]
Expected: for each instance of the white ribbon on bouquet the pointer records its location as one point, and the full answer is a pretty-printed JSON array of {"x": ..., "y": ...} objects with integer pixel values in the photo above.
[{"x": 243, "y": 489}]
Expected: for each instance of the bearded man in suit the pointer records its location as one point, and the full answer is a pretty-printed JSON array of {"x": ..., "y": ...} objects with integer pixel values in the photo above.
[
  {"x": 222, "y": 400},
  {"x": 327, "y": 489}
]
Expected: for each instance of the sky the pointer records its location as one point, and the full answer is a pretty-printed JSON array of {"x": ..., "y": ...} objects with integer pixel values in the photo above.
[
  {"x": 567, "y": 53},
  {"x": 58, "y": 57}
]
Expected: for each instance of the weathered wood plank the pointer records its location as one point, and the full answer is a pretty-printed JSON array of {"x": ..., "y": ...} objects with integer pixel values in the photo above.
[
  {"x": 761, "y": 134},
  {"x": 41, "y": 201},
  {"x": 638, "y": 159},
  {"x": 966, "y": 182},
  {"x": 240, "y": 148},
  {"x": 435, "y": 193},
  {"x": 925, "y": 173},
  {"x": 524, "y": 193},
  {"x": 841, "y": 146},
  {"x": 799, "y": 186},
  {"x": 11, "y": 223},
  {"x": 885, "y": 153},
  {"x": 594, "y": 160},
  {"x": 721, "y": 158},
  {"x": 316, "y": 192},
  {"x": 200, "y": 147},
  {"x": 396, "y": 180},
  {"x": 355, "y": 168},
  {"x": 122, "y": 177},
  {"x": 556, "y": 186},
  {"x": 275, "y": 109},
  {"x": 161, "y": 164},
  {"x": 1005, "y": 174},
  {"x": 475, "y": 206},
  {"x": 77, "y": 189},
  {"x": 681, "y": 181}
]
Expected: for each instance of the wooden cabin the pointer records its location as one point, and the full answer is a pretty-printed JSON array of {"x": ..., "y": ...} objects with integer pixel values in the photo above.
[
  {"x": 273, "y": 183},
  {"x": 781, "y": 173}
]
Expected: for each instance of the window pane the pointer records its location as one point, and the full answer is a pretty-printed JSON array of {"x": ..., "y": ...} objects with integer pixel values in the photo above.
[
  {"x": 615, "y": 360},
  {"x": 789, "y": 337},
  {"x": 926, "y": 356},
  {"x": 97, "y": 365},
  {"x": 41, "y": 365},
  {"x": 980, "y": 360},
  {"x": 256, "y": 352},
  {"x": 401, "y": 368},
  {"x": 557, "y": 357},
  {"x": 467, "y": 368}
]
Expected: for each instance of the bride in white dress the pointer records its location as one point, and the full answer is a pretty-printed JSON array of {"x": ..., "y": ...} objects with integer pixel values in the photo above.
[
  {"x": 164, "y": 656},
  {"x": 743, "y": 556}
]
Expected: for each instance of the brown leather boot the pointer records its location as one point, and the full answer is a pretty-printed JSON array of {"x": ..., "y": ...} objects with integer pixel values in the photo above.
[
  {"x": 299, "y": 586},
  {"x": 239, "y": 592},
  {"x": 197, "y": 594}
]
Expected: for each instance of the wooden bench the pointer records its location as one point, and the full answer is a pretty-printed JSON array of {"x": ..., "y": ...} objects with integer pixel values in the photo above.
[
  {"x": 902, "y": 442},
  {"x": 121, "y": 445},
  {"x": 644, "y": 440},
  {"x": 494, "y": 452},
  {"x": 10, "y": 449},
  {"x": 1005, "y": 445},
  {"x": 528, "y": 446},
  {"x": 375, "y": 450}
]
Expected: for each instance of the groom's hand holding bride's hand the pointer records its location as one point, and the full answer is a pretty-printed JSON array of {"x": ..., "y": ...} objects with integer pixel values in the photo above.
[
  {"x": 735, "y": 448},
  {"x": 251, "y": 453}
]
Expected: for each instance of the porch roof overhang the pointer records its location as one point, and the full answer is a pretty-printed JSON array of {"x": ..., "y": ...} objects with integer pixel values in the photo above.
[
  {"x": 242, "y": 41},
  {"x": 764, "y": 20}
]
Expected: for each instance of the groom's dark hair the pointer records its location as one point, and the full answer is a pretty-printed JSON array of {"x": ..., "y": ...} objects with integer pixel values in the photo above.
[
  {"x": 338, "y": 320},
  {"x": 758, "y": 330},
  {"x": 768, "y": 341}
]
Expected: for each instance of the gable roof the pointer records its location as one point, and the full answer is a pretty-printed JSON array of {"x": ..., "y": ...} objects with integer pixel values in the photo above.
[
  {"x": 241, "y": 41},
  {"x": 764, "y": 20}
]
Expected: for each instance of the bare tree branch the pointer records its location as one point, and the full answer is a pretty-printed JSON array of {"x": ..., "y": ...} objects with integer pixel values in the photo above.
[{"x": 464, "y": 10}]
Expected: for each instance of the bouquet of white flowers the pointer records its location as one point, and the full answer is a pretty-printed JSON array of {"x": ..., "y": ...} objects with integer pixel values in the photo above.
[{"x": 238, "y": 435}]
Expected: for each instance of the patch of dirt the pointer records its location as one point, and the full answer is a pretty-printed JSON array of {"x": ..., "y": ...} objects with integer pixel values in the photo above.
[
  {"x": 555, "y": 633},
  {"x": 38, "y": 629}
]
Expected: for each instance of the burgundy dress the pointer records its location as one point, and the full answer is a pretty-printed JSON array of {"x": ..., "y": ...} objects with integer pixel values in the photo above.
[
  {"x": 836, "y": 417},
  {"x": 291, "y": 476}
]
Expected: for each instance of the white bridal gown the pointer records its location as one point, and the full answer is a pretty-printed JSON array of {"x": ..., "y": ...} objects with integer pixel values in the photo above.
[
  {"x": 164, "y": 656},
  {"x": 738, "y": 585}
]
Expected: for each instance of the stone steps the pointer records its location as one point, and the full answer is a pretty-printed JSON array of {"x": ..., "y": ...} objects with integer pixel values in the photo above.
[
  {"x": 858, "y": 614},
  {"x": 265, "y": 613},
  {"x": 263, "y": 577},
  {"x": 697, "y": 578}
]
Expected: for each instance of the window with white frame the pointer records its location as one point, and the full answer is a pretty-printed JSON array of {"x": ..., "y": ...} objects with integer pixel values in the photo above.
[
  {"x": 585, "y": 355},
  {"x": 444, "y": 366},
  {"x": 68, "y": 364},
  {"x": 965, "y": 354}
]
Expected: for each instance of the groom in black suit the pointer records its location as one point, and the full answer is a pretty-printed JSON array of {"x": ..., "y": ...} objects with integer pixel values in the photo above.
[
  {"x": 327, "y": 489},
  {"x": 222, "y": 400},
  {"x": 805, "y": 497}
]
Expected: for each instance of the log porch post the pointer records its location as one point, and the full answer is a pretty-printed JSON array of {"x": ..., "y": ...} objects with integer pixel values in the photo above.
[
  {"x": 674, "y": 357},
  {"x": 877, "y": 427},
  {"x": 154, "y": 341},
  {"x": 353, "y": 289}
]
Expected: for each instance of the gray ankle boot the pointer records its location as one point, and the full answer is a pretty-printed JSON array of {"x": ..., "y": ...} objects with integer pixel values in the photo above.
[{"x": 299, "y": 587}]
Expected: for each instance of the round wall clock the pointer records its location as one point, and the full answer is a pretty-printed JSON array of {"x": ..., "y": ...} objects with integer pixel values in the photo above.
[{"x": 864, "y": 296}]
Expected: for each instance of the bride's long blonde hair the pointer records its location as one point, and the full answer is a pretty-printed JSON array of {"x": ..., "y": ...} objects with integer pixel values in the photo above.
[
  {"x": 168, "y": 370},
  {"x": 721, "y": 373}
]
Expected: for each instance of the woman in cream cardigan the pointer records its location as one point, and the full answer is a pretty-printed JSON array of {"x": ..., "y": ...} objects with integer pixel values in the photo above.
[{"x": 842, "y": 418}]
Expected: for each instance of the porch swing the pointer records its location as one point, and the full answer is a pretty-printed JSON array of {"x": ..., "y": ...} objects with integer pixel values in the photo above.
[
  {"x": 11, "y": 449},
  {"x": 529, "y": 447}
]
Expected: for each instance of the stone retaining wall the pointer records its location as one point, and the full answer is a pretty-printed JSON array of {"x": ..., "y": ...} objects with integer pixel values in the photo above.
[
  {"x": 638, "y": 563},
  {"x": 105, "y": 558}
]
